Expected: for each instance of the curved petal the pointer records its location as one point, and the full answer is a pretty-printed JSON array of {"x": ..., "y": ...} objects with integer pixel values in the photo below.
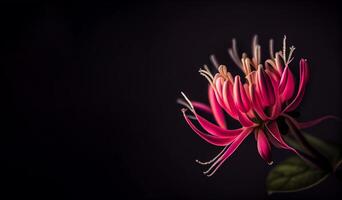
[
  {"x": 314, "y": 122},
  {"x": 220, "y": 101},
  {"x": 264, "y": 147},
  {"x": 287, "y": 85},
  {"x": 214, "y": 129},
  {"x": 273, "y": 130},
  {"x": 228, "y": 100},
  {"x": 218, "y": 85},
  {"x": 279, "y": 66},
  {"x": 214, "y": 140},
  {"x": 250, "y": 113},
  {"x": 231, "y": 149},
  {"x": 283, "y": 80},
  {"x": 304, "y": 77},
  {"x": 256, "y": 104},
  {"x": 240, "y": 97},
  {"x": 216, "y": 109},
  {"x": 276, "y": 107},
  {"x": 244, "y": 120},
  {"x": 201, "y": 106},
  {"x": 265, "y": 88}
]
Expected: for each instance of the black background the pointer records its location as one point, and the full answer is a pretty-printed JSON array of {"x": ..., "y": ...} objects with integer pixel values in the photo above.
[{"x": 90, "y": 94}]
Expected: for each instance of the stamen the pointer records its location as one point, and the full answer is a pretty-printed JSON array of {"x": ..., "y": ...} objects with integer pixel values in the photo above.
[
  {"x": 258, "y": 55},
  {"x": 214, "y": 159},
  {"x": 256, "y": 51},
  {"x": 233, "y": 53},
  {"x": 292, "y": 48},
  {"x": 271, "y": 48},
  {"x": 246, "y": 65},
  {"x": 270, "y": 62},
  {"x": 183, "y": 103},
  {"x": 290, "y": 61},
  {"x": 214, "y": 61},
  {"x": 244, "y": 68},
  {"x": 207, "y": 68},
  {"x": 215, "y": 165},
  {"x": 183, "y": 110},
  {"x": 189, "y": 102},
  {"x": 234, "y": 46},
  {"x": 254, "y": 44},
  {"x": 206, "y": 72},
  {"x": 284, "y": 49},
  {"x": 208, "y": 78},
  {"x": 254, "y": 59},
  {"x": 212, "y": 173}
]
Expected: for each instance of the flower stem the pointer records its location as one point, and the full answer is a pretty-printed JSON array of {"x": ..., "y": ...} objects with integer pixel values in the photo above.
[{"x": 314, "y": 157}]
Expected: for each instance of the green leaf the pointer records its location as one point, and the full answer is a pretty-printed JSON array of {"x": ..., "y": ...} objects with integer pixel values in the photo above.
[
  {"x": 292, "y": 175},
  {"x": 330, "y": 150}
]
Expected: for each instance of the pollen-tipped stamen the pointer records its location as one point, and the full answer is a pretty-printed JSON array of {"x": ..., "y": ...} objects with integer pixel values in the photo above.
[
  {"x": 213, "y": 159},
  {"x": 207, "y": 74},
  {"x": 292, "y": 48}
]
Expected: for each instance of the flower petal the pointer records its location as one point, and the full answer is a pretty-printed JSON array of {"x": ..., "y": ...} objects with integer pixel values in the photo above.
[
  {"x": 218, "y": 85},
  {"x": 256, "y": 104},
  {"x": 201, "y": 106},
  {"x": 265, "y": 88},
  {"x": 214, "y": 140},
  {"x": 264, "y": 147},
  {"x": 244, "y": 120},
  {"x": 314, "y": 122},
  {"x": 219, "y": 98},
  {"x": 240, "y": 97},
  {"x": 228, "y": 99},
  {"x": 304, "y": 77},
  {"x": 273, "y": 130},
  {"x": 276, "y": 108},
  {"x": 286, "y": 85},
  {"x": 283, "y": 80},
  {"x": 214, "y": 129},
  {"x": 216, "y": 109}
]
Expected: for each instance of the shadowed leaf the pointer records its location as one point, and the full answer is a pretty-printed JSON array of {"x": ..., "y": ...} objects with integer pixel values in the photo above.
[
  {"x": 292, "y": 175},
  {"x": 331, "y": 151}
]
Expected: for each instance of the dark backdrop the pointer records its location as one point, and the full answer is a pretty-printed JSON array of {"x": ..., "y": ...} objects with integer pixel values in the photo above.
[{"x": 90, "y": 95}]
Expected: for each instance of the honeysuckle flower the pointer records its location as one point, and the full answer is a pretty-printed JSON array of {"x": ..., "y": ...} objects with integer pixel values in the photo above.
[{"x": 266, "y": 92}]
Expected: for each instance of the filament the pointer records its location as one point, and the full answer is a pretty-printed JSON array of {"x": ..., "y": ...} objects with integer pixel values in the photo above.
[
  {"x": 284, "y": 48},
  {"x": 183, "y": 103},
  {"x": 212, "y": 160},
  {"x": 271, "y": 48},
  {"x": 189, "y": 102},
  {"x": 214, "y": 61},
  {"x": 234, "y": 54}
]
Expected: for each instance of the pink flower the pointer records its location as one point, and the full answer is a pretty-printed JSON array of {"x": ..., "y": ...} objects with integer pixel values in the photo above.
[{"x": 266, "y": 92}]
